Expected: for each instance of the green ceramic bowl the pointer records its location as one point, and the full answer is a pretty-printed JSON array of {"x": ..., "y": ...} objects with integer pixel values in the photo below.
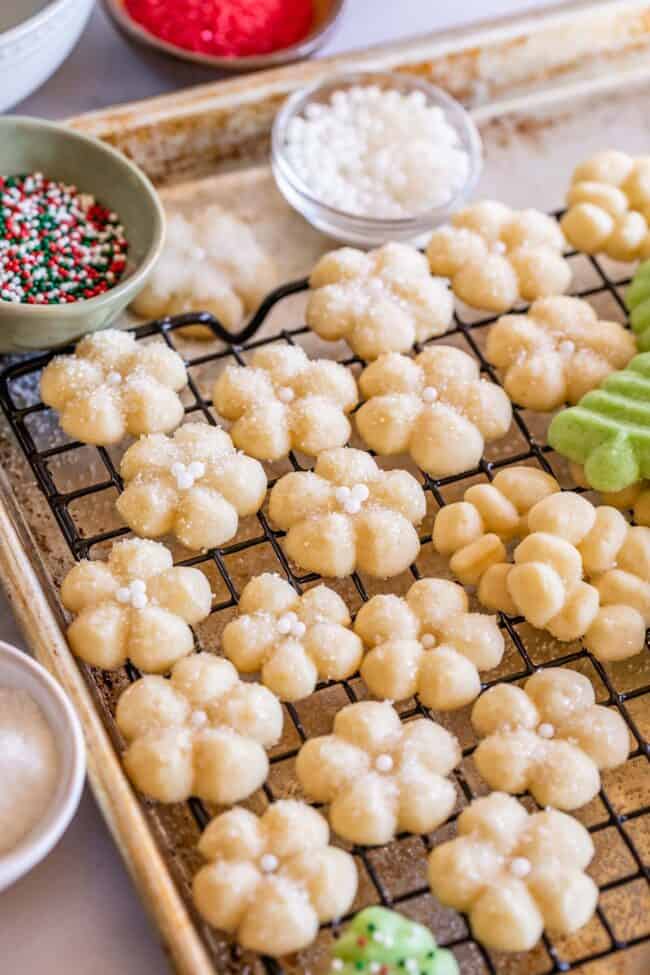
[{"x": 30, "y": 145}]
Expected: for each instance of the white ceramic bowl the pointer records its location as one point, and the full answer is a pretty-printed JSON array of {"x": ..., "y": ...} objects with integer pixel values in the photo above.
[
  {"x": 19, "y": 670},
  {"x": 35, "y": 38}
]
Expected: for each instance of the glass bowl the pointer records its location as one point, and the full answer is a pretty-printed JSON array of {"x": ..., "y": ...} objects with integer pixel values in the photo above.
[{"x": 352, "y": 228}]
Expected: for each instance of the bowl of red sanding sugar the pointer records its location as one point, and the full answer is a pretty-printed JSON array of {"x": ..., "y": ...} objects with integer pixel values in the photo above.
[{"x": 229, "y": 35}]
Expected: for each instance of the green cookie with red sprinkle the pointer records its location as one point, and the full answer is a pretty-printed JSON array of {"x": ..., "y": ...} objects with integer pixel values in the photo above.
[{"x": 382, "y": 942}]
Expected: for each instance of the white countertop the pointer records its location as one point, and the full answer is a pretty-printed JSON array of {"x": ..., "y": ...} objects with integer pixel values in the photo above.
[{"x": 77, "y": 913}]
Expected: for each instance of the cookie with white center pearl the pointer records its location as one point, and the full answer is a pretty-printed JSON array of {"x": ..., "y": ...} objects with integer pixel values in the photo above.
[
  {"x": 135, "y": 606},
  {"x": 495, "y": 256},
  {"x": 291, "y": 640},
  {"x": 284, "y": 401},
  {"x": 549, "y": 738},
  {"x": 194, "y": 485},
  {"x": 514, "y": 874},
  {"x": 270, "y": 881},
  {"x": 202, "y": 732},
  {"x": 379, "y": 776},
  {"x": 113, "y": 386},
  {"x": 434, "y": 407}
]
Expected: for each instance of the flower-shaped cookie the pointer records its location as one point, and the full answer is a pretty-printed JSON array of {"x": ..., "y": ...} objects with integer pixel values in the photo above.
[
  {"x": 514, "y": 874},
  {"x": 194, "y": 485},
  {"x": 270, "y": 881},
  {"x": 383, "y": 301},
  {"x": 427, "y": 644},
  {"x": 609, "y": 206},
  {"x": 284, "y": 402},
  {"x": 496, "y": 256},
  {"x": 380, "y": 777},
  {"x": 201, "y": 733},
  {"x": 556, "y": 352},
  {"x": 113, "y": 385},
  {"x": 348, "y": 514},
  {"x": 292, "y": 641},
  {"x": 135, "y": 606},
  {"x": 550, "y": 738},
  {"x": 434, "y": 407}
]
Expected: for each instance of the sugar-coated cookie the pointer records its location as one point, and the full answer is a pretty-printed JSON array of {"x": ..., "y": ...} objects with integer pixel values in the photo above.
[
  {"x": 380, "y": 777},
  {"x": 113, "y": 386},
  {"x": 381, "y": 301},
  {"x": 135, "y": 606},
  {"x": 194, "y": 485},
  {"x": 434, "y": 407},
  {"x": 348, "y": 514},
  {"x": 284, "y": 401},
  {"x": 514, "y": 874},
  {"x": 495, "y": 256},
  {"x": 271, "y": 880},
  {"x": 200, "y": 733}
]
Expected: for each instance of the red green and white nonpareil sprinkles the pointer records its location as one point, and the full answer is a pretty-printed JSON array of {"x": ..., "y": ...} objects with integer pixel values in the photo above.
[{"x": 57, "y": 245}]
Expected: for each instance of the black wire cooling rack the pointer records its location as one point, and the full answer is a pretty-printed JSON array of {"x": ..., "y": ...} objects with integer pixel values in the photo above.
[{"x": 619, "y": 820}]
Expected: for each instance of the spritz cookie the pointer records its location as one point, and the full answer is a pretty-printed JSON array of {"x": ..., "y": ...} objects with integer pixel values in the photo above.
[
  {"x": 514, "y": 874},
  {"x": 435, "y": 407},
  {"x": 269, "y": 881},
  {"x": 381, "y": 301},
  {"x": 549, "y": 738},
  {"x": 292, "y": 641},
  {"x": 380, "y": 777},
  {"x": 201, "y": 733},
  {"x": 349, "y": 514},
  {"x": 427, "y": 644},
  {"x": 556, "y": 352},
  {"x": 496, "y": 256},
  {"x": 284, "y": 401},
  {"x": 135, "y": 606},
  {"x": 194, "y": 485},
  {"x": 113, "y": 386}
]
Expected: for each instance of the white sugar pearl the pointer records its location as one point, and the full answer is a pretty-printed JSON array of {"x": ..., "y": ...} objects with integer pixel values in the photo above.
[
  {"x": 298, "y": 629},
  {"x": 184, "y": 481},
  {"x": 138, "y": 586},
  {"x": 566, "y": 348},
  {"x": 123, "y": 595},
  {"x": 285, "y": 394},
  {"x": 352, "y": 506},
  {"x": 384, "y": 763},
  {"x": 360, "y": 492},
  {"x": 520, "y": 867},
  {"x": 428, "y": 641},
  {"x": 342, "y": 494},
  {"x": 287, "y": 622},
  {"x": 177, "y": 469},
  {"x": 337, "y": 965},
  {"x": 138, "y": 600},
  {"x": 114, "y": 379},
  {"x": 198, "y": 719},
  {"x": 546, "y": 730},
  {"x": 429, "y": 394},
  {"x": 498, "y": 247},
  {"x": 196, "y": 469},
  {"x": 268, "y": 863}
]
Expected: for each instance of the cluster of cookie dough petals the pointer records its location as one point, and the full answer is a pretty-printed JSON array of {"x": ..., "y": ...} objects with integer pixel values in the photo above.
[
  {"x": 434, "y": 407},
  {"x": 202, "y": 732},
  {"x": 135, "y": 606},
  {"x": 271, "y": 880},
  {"x": 194, "y": 485},
  {"x": 381, "y": 301},
  {"x": 549, "y": 738},
  {"x": 556, "y": 352},
  {"x": 495, "y": 256},
  {"x": 427, "y": 644},
  {"x": 380, "y": 777},
  {"x": 348, "y": 514},
  {"x": 514, "y": 874},
  {"x": 112, "y": 386},
  {"x": 292, "y": 641},
  {"x": 283, "y": 401}
]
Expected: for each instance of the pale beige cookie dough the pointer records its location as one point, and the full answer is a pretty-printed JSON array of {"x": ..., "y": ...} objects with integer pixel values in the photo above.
[
  {"x": 609, "y": 206},
  {"x": 135, "y": 606},
  {"x": 194, "y": 485},
  {"x": 549, "y": 738},
  {"x": 271, "y": 880},
  {"x": 381, "y": 301},
  {"x": 379, "y": 776},
  {"x": 434, "y": 407},
  {"x": 556, "y": 352},
  {"x": 514, "y": 874},
  {"x": 113, "y": 386},
  {"x": 292, "y": 641},
  {"x": 349, "y": 514},
  {"x": 495, "y": 256},
  {"x": 427, "y": 644},
  {"x": 284, "y": 401},
  {"x": 201, "y": 733}
]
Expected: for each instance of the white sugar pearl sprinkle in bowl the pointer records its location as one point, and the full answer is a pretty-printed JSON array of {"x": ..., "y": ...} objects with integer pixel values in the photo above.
[{"x": 370, "y": 157}]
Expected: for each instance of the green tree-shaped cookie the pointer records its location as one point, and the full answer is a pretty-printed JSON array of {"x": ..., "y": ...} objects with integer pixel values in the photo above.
[
  {"x": 637, "y": 300},
  {"x": 382, "y": 942}
]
